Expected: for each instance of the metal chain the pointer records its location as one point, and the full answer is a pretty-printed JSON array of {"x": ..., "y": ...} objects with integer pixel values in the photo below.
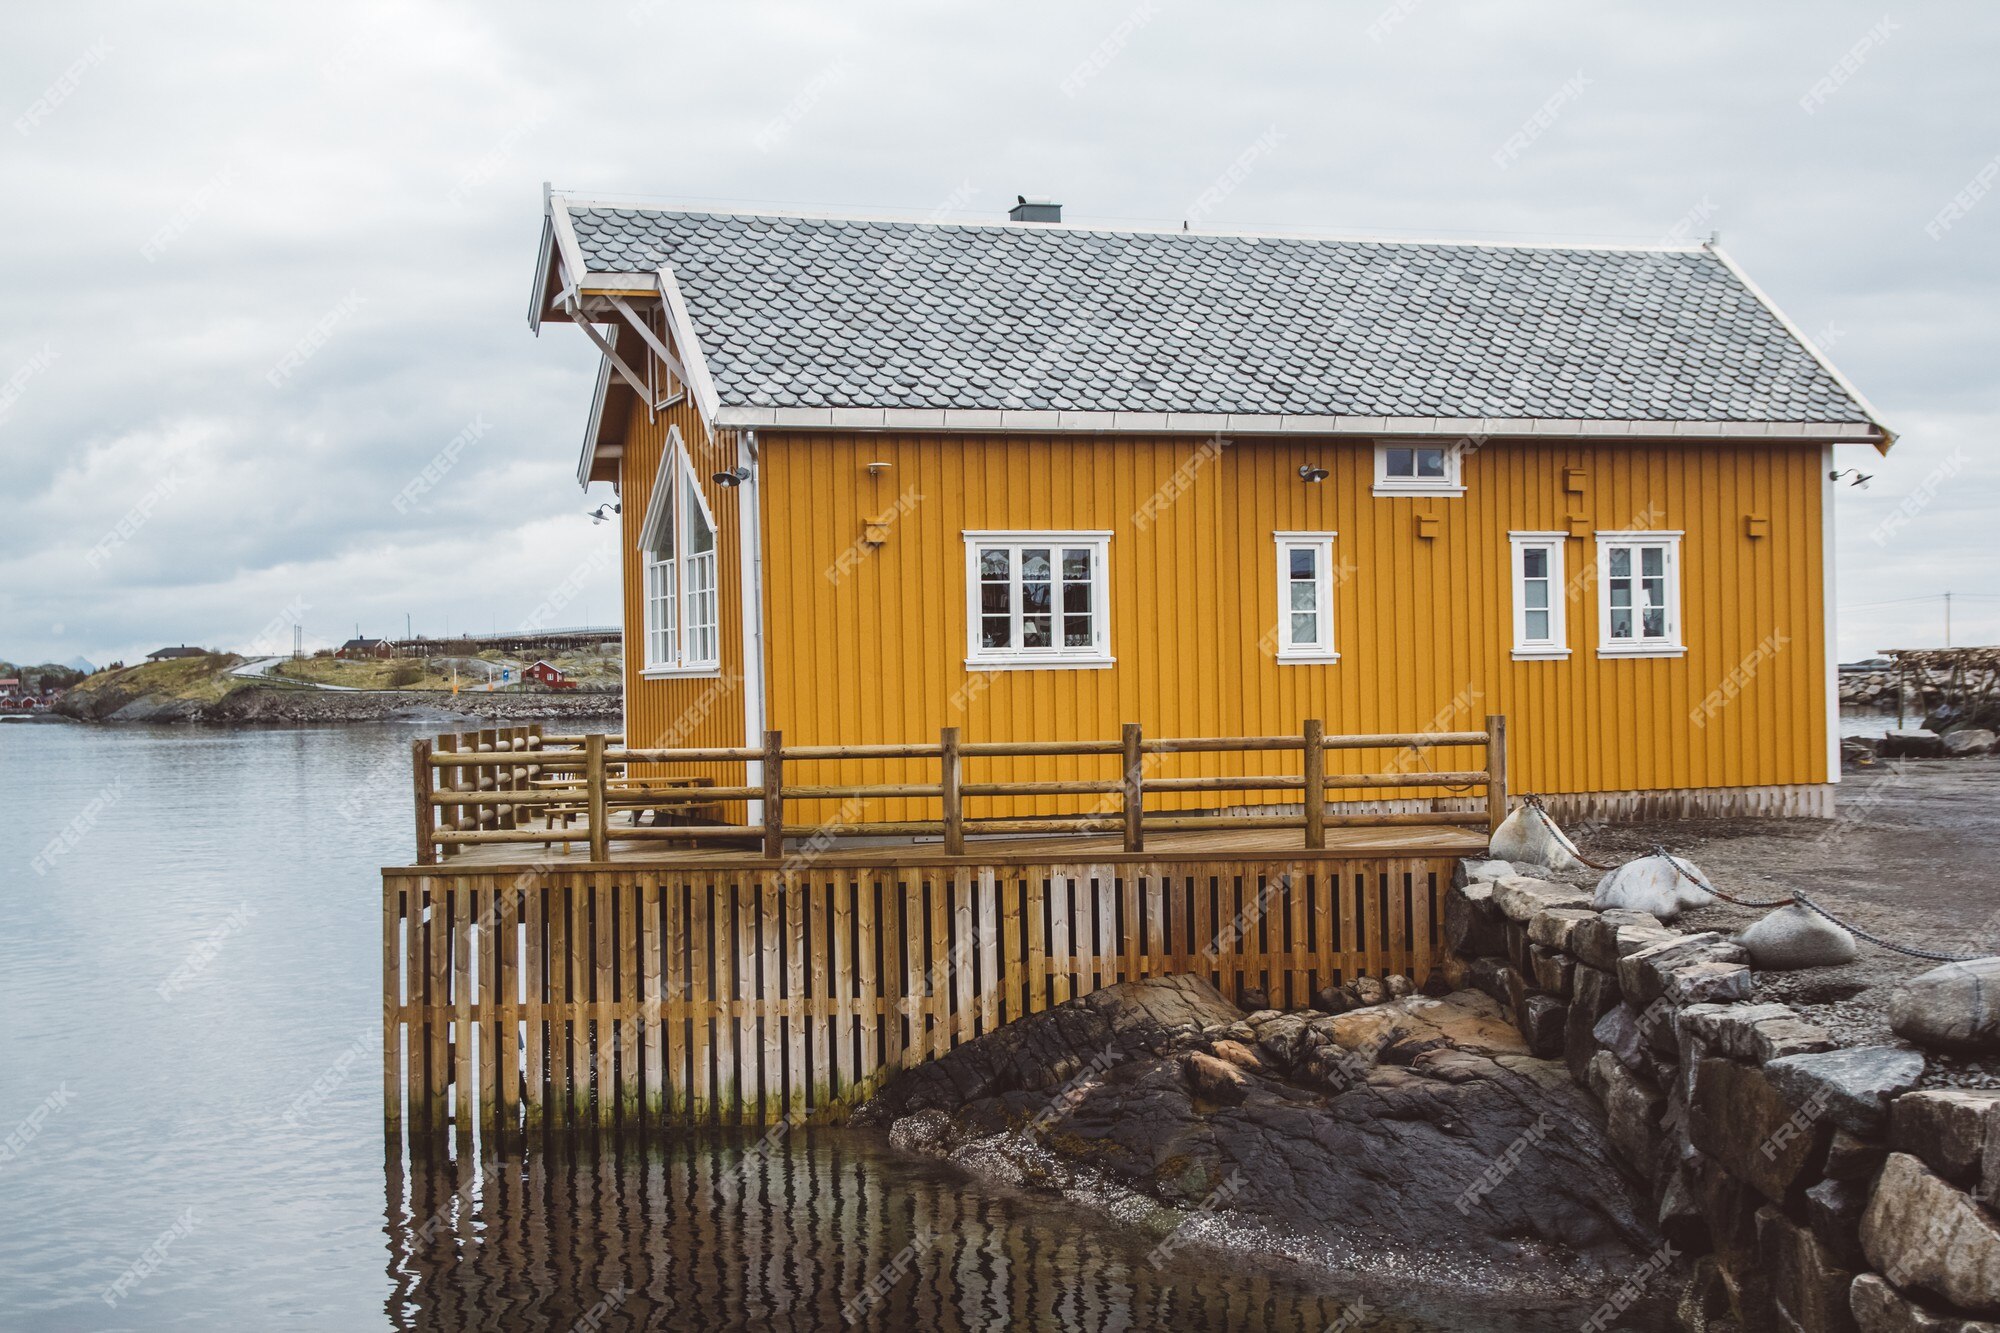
[{"x": 1534, "y": 803}]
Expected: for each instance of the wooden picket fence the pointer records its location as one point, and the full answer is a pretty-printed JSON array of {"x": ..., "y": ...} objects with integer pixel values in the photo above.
[{"x": 552, "y": 998}]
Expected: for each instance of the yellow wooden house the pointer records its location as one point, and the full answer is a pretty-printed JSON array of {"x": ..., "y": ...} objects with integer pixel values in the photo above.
[{"x": 1037, "y": 481}]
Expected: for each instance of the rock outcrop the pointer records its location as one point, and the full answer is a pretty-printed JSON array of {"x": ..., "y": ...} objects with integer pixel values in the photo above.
[{"x": 1415, "y": 1127}]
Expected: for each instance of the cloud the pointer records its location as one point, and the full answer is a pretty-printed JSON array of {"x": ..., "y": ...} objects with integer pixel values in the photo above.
[{"x": 352, "y": 194}]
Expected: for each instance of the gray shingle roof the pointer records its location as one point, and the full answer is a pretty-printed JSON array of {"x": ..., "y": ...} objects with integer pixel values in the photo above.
[{"x": 829, "y": 312}]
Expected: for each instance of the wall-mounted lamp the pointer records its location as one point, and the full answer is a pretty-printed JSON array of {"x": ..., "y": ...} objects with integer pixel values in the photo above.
[
  {"x": 877, "y": 469},
  {"x": 603, "y": 513},
  {"x": 1861, "y": 478},
  {"x": 735, "y": 476},
  {"x": 1309, "y": 473}
]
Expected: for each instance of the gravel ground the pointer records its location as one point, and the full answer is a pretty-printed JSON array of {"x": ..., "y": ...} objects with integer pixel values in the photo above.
[{"x": 1913, "y": 855}]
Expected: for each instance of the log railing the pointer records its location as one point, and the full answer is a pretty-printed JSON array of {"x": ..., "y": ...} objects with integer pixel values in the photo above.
[{"x": 492, "y": 786}]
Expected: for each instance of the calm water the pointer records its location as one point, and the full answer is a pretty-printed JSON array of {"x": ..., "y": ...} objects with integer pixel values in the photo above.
[{"x": 190, "y": 1073}]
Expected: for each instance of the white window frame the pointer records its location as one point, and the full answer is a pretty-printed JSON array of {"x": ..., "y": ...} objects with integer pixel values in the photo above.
[
  {"x": 1451, "y": 483},
  {"x": 677, "y": 472},
  {"x": 1556, "y": 645},
  {"x": 1097, "y": 655},
  {"x": 1671, "y": 644},
  {"x": 1321, "y": 545}
]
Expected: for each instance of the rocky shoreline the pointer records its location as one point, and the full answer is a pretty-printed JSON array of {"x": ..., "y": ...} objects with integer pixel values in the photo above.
[
  {"x": 1409, "y": 1145},
  {"x": 259, "y": 704}
]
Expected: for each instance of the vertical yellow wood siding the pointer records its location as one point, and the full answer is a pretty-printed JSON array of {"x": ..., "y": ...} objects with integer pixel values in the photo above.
[
  {"x": 870, "y": 647},
  {"x": 694, "y": 710}
]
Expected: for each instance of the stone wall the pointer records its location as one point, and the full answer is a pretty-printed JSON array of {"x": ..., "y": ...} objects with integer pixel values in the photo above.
[{"x": 1805, "y": 1186}]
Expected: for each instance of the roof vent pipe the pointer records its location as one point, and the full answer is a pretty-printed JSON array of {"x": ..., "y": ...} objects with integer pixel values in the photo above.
[{"x": 1034, "y": 210}]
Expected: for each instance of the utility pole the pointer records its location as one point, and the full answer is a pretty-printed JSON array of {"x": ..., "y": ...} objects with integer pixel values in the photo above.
[{"x": 1947, "y": 620}]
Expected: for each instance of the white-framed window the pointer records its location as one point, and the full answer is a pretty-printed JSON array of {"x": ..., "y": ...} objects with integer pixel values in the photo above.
[
  {"x": 1541, "y": 621},
  {"x": 1418, "y": 467},
  {"x": 677, "y": 555},
  {"x": 1037, "y": 599},
  {"x": 1639, "y": 594},
  {"x": 1305, "y": 597}
]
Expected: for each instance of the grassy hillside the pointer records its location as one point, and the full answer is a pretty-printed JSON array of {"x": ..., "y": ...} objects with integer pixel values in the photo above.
[{"x": 190, "y": 680}]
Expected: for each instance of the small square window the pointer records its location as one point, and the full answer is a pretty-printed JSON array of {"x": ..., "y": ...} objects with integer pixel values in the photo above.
[
  {"x": 1418, "y": 469},
  {"x": 1639, "y": 594}
]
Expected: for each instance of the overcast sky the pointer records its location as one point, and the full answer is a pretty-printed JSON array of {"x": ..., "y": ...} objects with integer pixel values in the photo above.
[{"x": 266, "y": 263}]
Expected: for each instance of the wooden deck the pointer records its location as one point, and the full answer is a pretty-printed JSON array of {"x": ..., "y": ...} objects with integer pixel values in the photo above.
[{"x": 1220, "y": 843}]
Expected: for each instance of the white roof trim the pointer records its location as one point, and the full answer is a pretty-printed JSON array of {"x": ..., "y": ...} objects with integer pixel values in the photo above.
[
  {"x": 698, "y": 380},
  {"x": 544, "y": 257},
  {"x": 1860, "y": 399},
  {"x": 595, "y": 425},
  {"x": 1208, "y": 423},
  {"x": 723, "y": 209},
  {"x": 574, "y": 267}
]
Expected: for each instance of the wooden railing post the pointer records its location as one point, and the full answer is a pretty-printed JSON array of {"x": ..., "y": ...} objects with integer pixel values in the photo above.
[
  {"x": 425, "y": 778},
  {"x": 593, "y": 779},
  {"x": 1135, "y": 791},
  {"x": 774, "y": 795},
  {"x": 949, "y": 780},
  {"x": 1315, "y": 783},
  {"x": 1496, "y": 771}
]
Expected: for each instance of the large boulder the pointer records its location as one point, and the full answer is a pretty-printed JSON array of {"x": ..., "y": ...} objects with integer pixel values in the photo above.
[
  {"x": 1852, "y": 1087},
  {"x": 1923, "y": 1234},
  {"x": 1631, "y": 1112},
  {"x": 1527, "y": 835},
  {"x": 1947, "y": 1129},
  {"x": 1471, "y": 870},
  {"x": 1796, "y": 936},
  {"x": 1603, "y": 941},
  {"x": 1665, "y": 886},
  {"x": 1880, "y": 1308},
  {"x": 1809, "y": 1283},
  {"x": 1520, "y": 897},
  {"x": 1473, "y": 923},
  {"x": 1753, "y": 1032},
  {"x": 1644, "y": 975},
  {"x": 1912, "y": 744},
  {"x": 1737, "y": 1117},
  {"x": 1969, "y": 740},
  {"x": 1955, "y": 1007}
]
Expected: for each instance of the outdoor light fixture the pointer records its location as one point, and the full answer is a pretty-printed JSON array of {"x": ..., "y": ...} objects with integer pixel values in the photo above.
[
  {"x": 603, "y": 513},
  {"x": 735, "y": 476},
  {"x": 1861, "y": 478},
  {"x": 1309, "y": 473}
]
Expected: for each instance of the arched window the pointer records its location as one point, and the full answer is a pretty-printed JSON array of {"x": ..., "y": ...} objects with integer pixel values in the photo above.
[{"x": 677, "y": 551}]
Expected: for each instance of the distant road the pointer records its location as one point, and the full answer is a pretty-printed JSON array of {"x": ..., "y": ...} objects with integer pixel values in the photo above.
[{"x": 262, "y": 668}]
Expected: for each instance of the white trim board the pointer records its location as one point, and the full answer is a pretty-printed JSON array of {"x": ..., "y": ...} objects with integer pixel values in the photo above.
[{"x": 1208, "y": 423}]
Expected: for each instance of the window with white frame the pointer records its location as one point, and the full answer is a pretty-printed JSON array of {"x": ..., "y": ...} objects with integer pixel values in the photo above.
[
  {"x": 1540, "y": 596},
  {"x": 1639, "y": 594},
  {"x": 677, "y": 553},
  {"x": 1305, "y": 597},
  {"x": 1415, "y": 468},
  {"x": 1037, "y": 599}
]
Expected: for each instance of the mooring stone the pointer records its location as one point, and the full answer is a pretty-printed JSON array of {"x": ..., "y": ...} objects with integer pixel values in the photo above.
[
  {"x": 1595, "y": 994},
  {"x": 1809, "y": 1283},
  {"x": 1880, "y": 1308},
  {"x": 1851, "y": 1086},
  {"x": 1796, "y": 936},
  {"x": 1946, "y": 1128},
  {"x": 1666, "y": 886},
  {"x": 1955, "y": 1007},
  {"x": 1922, "y": 1232},
  {"x": 1601, "y": 943},
  {"x": 1521, "y": 897},
  {"x": 1553, "y": 971},
  {"x": 1738, "y": 1118},
  {"x": 1542, "y": 1022},
  {"x": 1473, "y": 923},
  {"x": 1643, "y": 974},
  {"x": 1833, "y": 1210}
]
